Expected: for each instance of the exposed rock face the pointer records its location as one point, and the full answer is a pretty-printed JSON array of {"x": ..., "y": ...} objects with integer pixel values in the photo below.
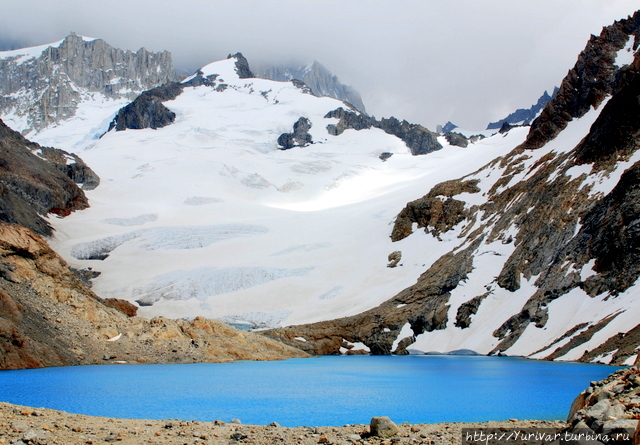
[
  {"x": 319, "y": 79},
  {"x": 456, "y": 139},
  {"x": 420, "y": 140},
  {"x": 47, "y": 88},
  {"x": 300, "y": 136},
  {"x": 593, "y": 77},
  {"x": 523, "y": 116},
  {"x": 437, "y": 211},
  {"x": 562, "y": 225},
  {"x": 48, "y": 317},
  {"x": 242, "y": 66},
  {"x": 35, "y": 181},
  {"x": 147, "y": 110}
]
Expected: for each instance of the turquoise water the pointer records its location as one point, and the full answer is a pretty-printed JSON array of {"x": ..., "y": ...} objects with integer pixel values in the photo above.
[{"x": 319, "y": 391}]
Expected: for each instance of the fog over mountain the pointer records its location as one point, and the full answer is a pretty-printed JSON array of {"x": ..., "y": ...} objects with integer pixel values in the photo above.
[{"x": 428, "y": 61}]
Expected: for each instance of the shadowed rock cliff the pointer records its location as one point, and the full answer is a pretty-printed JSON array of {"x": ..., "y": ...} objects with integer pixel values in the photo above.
[{"x": 36, "y": 181}]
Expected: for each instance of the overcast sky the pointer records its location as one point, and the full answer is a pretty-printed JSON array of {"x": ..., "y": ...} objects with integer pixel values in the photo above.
[{"x": 427, "y": 61}]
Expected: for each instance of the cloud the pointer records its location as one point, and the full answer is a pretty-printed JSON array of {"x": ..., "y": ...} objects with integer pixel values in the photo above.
[{"x": 426, "y": 61}]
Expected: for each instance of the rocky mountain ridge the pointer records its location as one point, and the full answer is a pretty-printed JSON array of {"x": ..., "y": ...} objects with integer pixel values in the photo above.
[
  {"x": 148, "y": 111},
  {"x": 42, "y": 86},
  {"x": 523, "y": 116},
  {"x": 547, "y": 237},
  {"x": 318, "y": 78}
]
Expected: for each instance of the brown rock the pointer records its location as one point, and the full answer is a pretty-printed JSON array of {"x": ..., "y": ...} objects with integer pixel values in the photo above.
[{"x": 124, "y": 306}]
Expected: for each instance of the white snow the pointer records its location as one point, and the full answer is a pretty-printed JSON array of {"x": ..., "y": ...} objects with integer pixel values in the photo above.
[
  {"x": 625, "y": 55},
  {"x": 226, "y": 224},
  {"x": 405, "y": 332},
  {"x": 208, "y": 217}
]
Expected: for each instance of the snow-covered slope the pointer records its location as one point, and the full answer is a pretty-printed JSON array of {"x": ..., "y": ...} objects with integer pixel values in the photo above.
[
  {"x": 540, "y": 246},
  {"x": 207, "y": 216}
]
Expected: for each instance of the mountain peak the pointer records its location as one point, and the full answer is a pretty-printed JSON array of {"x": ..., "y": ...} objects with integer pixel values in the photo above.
[
  {"x": 318, "y": 78},
  {"x": 242, "y": 66},
  {"x": 43, "y": 85}
]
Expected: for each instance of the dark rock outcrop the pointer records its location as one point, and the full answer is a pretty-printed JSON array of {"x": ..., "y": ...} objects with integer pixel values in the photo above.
[
  {"x": 437, "y": 211},
  {"x": 593, "y": 77},
  {"x": 300, "y": 136},
  {"x": 456, "y": 139},
  {"x": 147, "y": 110},
  {"x": 242, "y": 66},
  {"x": 419, "y": 140},
  {"x": 35, "y": 181}
]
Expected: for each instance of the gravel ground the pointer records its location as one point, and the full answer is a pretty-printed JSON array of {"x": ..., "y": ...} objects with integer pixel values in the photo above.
[{"x": 22, "y": 425}]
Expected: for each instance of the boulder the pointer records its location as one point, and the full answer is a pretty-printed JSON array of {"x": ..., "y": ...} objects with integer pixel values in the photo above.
[
  {"x": 300, "y": 136},
  {"x": 383, "y": 427}
]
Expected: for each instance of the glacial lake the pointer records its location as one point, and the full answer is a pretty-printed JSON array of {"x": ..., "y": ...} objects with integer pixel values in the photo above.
[{"x": 318, "y": 391}]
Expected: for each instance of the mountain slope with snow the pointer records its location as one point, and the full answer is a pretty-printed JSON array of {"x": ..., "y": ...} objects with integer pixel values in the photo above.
[
  {"x": 209, "y": 216},
  {"x": 540, "y": 245}
]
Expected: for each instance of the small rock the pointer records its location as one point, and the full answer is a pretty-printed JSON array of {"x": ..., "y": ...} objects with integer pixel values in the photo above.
[
  {"x": 628, "y": 425},
  {"x": 604, "y": 395},
  {"x": 598, "y": 410},
  {"x": 615, "y": 412},
  {"x": 32, "y": 436},
  {"x": 415, "y": 429},
  {"x": 238, "y": 436},
  {"x": 19, "y": 427},
  {"x": 383, "y": 427},
  {"x": 218, "y": 422},
  {"x": 275, "y": 424},
  {"x": 236, "y": 421},
  {"x": 112, "y": 437},
  {"x": 394, "y": 258},
  {"x": 353, "y": 437},
  {"x": 580, "y": 426}
]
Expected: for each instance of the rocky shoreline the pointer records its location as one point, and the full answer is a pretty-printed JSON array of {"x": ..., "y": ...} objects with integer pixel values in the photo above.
[{"x": 22, "y": 425}]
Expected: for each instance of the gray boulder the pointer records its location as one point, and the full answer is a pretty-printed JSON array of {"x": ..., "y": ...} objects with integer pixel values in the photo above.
[{"x": 383, "y": 427}]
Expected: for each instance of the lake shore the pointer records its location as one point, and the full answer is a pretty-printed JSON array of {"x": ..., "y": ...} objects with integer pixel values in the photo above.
[{"x": 46, "y": 426}]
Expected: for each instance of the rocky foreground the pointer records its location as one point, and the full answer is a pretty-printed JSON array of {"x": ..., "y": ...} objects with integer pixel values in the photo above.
[{"x": 22, "y": 425}]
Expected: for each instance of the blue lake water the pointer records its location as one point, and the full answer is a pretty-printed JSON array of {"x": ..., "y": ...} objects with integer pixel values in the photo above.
[{"x": 319, "y": 391}]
